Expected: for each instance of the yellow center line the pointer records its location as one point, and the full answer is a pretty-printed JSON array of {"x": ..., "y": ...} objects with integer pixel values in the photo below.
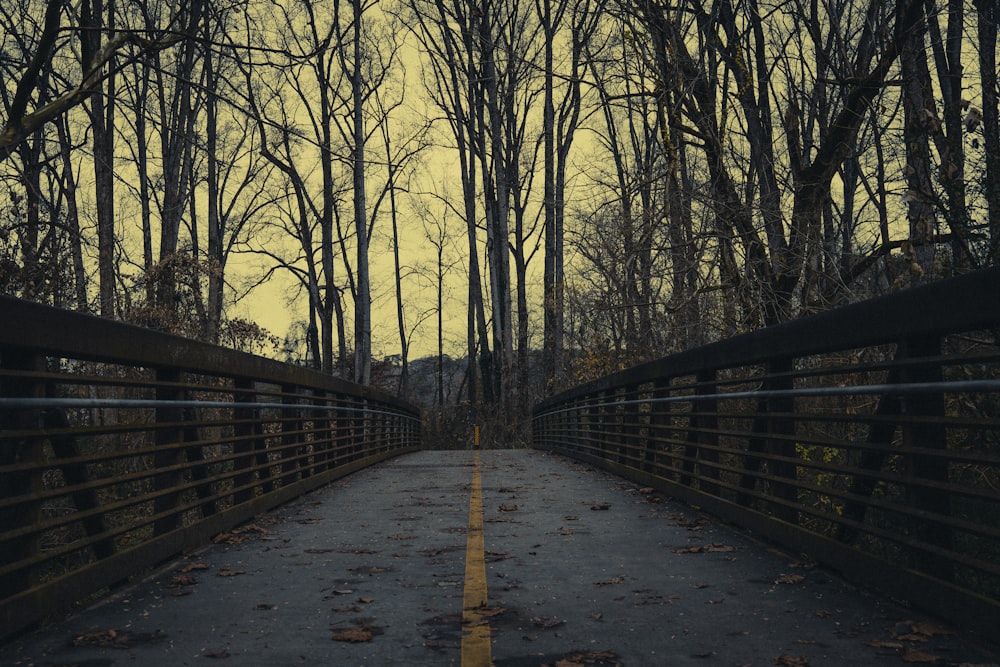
[{"x": 475, "y": 626}]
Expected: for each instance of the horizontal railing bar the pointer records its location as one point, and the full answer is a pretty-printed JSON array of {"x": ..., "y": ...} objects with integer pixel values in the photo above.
[
  {"x": 42, "y": 403},
  {"x": 959, "y": 386}
]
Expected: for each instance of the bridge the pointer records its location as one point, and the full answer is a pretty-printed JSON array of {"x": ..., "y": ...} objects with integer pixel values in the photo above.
[{"x": 822, "y": 492}]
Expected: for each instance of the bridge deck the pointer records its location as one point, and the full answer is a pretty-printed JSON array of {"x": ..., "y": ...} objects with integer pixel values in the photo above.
[{"x": 579, "y": 566}]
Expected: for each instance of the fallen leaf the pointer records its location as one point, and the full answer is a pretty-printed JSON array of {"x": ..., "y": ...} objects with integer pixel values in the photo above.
[
  {"x": 600, "y": 506},
  {"x": 217, "y": 654},
  {"x": 930, "y": 629},
  {"x": 318, "y": 551},
  {"x": 508, "y": 508},
  {"x": 355, "y": 609},
  {"x": 610, "y": 582},
  {"x": 191, "y": 567},
  {"x": 785, "y": 660},
  {"x": 102, "y": 638},
  {"x": 882, "y": 643},
  {"x": 371, "y": 569},
  {"x": 913, "y": 655},
  {"x": 543, "y": 622},
  {"x": 265, "y": 607},
  {"x": 790, "y": 579},
  {"x": 355, "y": 635},
  {"x": 366, "y": 600},
  {"x": 310, "y": 521},
  {"x": 579, "y": 659},
  {"x": 646, "y": 490},
  {"x": 490, "y": 612},
  {"x": 182, "y": 580},
  {"x": 688, "y": 550},
  {"x": 719, "y": 549},
  {"x": 571, "y": 517},
  {"x": 226, "y": 572}
]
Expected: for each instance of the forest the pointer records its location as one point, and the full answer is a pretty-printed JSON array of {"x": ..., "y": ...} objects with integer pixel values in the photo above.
[{"x": 580, "y": 185}]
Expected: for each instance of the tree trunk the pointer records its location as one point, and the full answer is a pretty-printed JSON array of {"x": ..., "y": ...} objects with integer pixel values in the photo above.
[
  {"x": 988, "y": 15},
  {"x": 216, "y": 257},
  {"x": 920, "y": 122},
  {"x": 102, "y": 120},
  {"x": 73, "y": 218},
  {"x": 362, "y": 305}
]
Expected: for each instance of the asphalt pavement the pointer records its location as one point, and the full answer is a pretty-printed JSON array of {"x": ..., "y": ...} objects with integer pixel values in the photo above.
[{"x": 581, "y": 568}]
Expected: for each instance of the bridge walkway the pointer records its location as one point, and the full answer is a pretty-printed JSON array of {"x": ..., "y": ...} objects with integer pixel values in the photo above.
[{"x": 580, "y": 568}]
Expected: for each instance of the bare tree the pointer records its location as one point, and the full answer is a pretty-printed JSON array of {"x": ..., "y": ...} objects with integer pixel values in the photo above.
[{"x": 987, "y": 17}]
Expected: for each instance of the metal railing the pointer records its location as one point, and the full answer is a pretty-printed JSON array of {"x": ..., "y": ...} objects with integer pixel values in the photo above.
[
  {"x": 866, "y": 438},
  {"x": 120, "y": 447}
]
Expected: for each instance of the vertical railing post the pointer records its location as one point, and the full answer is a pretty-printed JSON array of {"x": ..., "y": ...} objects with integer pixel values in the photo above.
[
  {"x": 782, "y": 450},
  {"x": 22, "y": 483},
  {"x": 703, "y": 425},
  {"x": 169, "y": 432},
  {"x": 289, "y": 434},
  {"x": 594, "y": 414},
  {"x": 629, "y": 432},
  {"x": 658, "y": 429},
  {"x": 245, "y": 431},
  {"x": 925, "y": 471},
  {"x": 198, "y": 463}
]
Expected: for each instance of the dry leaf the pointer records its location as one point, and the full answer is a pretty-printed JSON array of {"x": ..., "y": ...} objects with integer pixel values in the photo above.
[
  {"x": 226, "y": 572},
  {"x": 600, "y": 506},
  {"x": 913, "y": 655},
  {"x": 786, "y": 660},
  {"x": 182, "y": 580},
  {"x": 191, "y": 567},
  {"x": 355, "y": 635},
  {"x": 881, "y": 643},
  {"x": 588, "y": 658},
  {"x": 542, "y": 622},
  {"x": 490, "y": 611},
  {"x": 217, "y": 654},
  {"x": 930, "y": 629},
  {"x": 688, "y": 550},
  {"x": 790, "y": 579},
  {"x": 610, "y": 582},
  {"x": 508, "y": 508},
  {"x": 102, "y": 638},
  {"x": 719, "y": 549}
]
